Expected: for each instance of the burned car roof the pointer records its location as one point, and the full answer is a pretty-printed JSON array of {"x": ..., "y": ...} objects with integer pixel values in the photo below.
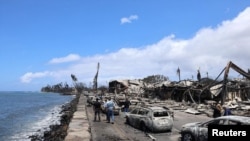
[{"x": 244, "y": 119}]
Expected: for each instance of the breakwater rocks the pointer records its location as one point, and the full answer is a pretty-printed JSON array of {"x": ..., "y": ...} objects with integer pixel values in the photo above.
[{"x": 59, "y": 132}]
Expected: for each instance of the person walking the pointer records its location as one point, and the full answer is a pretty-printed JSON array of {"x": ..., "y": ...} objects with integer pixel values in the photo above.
[
  {"x": 97, "y": 109},
  {"x": 126, "y": 105},
  {"x": 106, "y": 109},
  {"x": 110, "y": 108}
]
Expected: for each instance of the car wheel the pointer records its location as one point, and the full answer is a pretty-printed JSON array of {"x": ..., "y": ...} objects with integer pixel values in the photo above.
[{"x": 187, "y": 137}]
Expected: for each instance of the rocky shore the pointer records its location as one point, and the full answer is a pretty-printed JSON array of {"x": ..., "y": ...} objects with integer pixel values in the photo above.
[{"x": 58, "y": 132}]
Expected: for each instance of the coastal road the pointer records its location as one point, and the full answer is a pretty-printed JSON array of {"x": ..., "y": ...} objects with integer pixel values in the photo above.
[{"x": 102, "y": 131}]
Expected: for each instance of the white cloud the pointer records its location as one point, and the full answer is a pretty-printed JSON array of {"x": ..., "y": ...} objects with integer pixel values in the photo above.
[
  {"x": 69, "y": 58},
  {"x": 128, "y": 19},
  {"x": 29, "y": 76},
  {"x": 210, "y": 50}
]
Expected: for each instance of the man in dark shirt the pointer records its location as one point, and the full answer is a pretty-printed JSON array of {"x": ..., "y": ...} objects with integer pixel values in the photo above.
[
  {"x": 126, "y": 105},
  {"x": 217, "y": 110},
  {"x": 97, "y": 109}
]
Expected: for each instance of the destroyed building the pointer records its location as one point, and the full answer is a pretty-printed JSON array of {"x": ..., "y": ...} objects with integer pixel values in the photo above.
[{"x": 226, "y": 91}]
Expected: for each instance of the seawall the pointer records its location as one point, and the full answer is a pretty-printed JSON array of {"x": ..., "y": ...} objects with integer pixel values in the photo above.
[{"x": 79, "y": 129}]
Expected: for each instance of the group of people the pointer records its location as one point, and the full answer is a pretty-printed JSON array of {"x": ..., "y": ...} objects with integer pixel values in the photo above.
[
  {"x": 109, "y": 106},
  {"x": 109, "y": 110},
  {"x": 218, "y": 110}
]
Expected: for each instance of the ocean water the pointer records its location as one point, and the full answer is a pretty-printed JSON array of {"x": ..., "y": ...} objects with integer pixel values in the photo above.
[{"x": 29, "y": 113}]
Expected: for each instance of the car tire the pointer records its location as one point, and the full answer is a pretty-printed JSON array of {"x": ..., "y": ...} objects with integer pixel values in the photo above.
[{"x": 187, "y": 137}]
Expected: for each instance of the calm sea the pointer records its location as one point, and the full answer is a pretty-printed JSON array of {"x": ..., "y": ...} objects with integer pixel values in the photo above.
[{"x": 28, "y": 113}]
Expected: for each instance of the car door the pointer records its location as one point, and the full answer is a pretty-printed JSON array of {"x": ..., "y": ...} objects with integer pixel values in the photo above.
[
  {"x": 133, "y": 116},
  {"x": 137, "y": 117},
  {"x": 146, "y": 118},
  {"x": 142, "y": 117}
]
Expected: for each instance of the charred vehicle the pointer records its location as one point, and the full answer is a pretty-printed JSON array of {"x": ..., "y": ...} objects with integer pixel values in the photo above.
[
  {"x": 154, "y": 119},
  {"x": 133, "y": 103},
  {"x": 90, "y": 100},
  {"x": 117, "y": 109},
  {"x": 120, "y": 99},
  {"x": 198, "y": 131}
]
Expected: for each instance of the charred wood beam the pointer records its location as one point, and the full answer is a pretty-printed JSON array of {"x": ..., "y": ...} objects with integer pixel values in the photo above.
[
  {"x": 191, "y": 97},
  {"x": 236, "y": 68}
]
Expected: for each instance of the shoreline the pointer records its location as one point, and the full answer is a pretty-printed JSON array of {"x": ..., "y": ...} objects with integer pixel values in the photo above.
[{"x": 58, "y": 132}]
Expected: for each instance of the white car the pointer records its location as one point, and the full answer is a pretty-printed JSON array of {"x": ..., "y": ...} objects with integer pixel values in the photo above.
[{"x": 154, "y": 119}]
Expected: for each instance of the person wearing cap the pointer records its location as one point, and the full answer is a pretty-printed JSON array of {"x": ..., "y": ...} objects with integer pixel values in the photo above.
[{"x": 97, "y": 109}]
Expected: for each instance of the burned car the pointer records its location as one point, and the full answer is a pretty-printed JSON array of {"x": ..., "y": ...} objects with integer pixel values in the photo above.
[
  {"x": 117, "y": 109},
  {"x": 198, "y": 131},
  {"x": 90, "y": 99},
  {"x": 133, "y": 103},
  {"x": 154, "y": 119}
]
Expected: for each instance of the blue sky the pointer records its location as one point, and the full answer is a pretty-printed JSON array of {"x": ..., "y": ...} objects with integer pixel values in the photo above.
[{"x": 43, "y": 42}]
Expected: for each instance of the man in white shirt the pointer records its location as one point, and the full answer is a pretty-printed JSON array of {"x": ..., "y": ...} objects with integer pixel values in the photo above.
[
  {"x": 106, "y": 109},
  {"x": 110, "y": 110}
]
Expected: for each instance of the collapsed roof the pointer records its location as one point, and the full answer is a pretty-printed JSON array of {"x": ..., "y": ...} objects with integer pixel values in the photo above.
[{"x": 188, "y": 90}]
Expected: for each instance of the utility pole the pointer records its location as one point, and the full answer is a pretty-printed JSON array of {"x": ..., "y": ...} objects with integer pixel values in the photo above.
[
  {"x": 179, "y": 73},
  {"x": 95, "y": 86}
]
